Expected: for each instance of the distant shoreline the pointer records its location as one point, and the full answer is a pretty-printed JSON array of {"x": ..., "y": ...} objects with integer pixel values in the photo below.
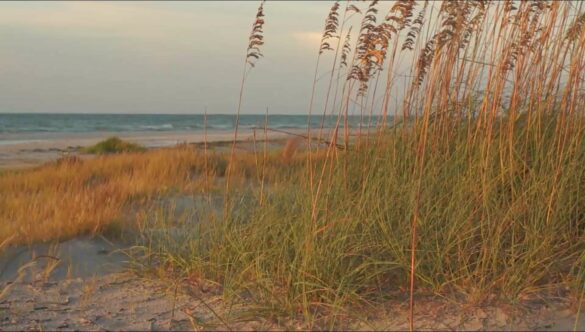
[{"x": 25, "y": 153}]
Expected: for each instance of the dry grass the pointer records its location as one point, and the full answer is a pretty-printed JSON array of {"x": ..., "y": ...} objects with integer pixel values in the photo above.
[
  {"x": 477, "y": 192},
  {"x": 290, "y": 148},
  {"x": 72, "y": 196}
]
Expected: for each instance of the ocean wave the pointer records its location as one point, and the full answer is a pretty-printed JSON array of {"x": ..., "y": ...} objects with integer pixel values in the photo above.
[
  {"x": 84, "y": 123},
  {"x": 288, "y": 126},
  {"x": 220, "y": 126},
  {"x": 166, "y": 126}
]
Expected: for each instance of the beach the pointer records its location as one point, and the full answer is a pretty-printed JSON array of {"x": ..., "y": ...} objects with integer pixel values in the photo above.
[
  {"x": 130, "y": 301},
  {"x": 94, "y": 282},
  {"x": 385, "y": 165},
  {"x": 30, "y": 139},
  {"x": 88, "y": 283},
  {"x": 37, "y": 149}
]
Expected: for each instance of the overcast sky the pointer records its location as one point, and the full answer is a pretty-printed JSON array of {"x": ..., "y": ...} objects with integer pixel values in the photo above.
[{"x": 154, "y": 57}]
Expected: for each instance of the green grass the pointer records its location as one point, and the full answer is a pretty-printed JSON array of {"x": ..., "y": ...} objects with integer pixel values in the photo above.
[
  {"x": 113, "y": 145},
  {"x": 479, "y": 197},
  {"x": 488, "y": 225}
]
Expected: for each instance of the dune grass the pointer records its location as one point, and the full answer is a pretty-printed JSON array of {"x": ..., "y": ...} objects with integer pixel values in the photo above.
[
  {"x": 487, "y": 229},
  {"x": 73, "y": 196},
  {"x": 476, "y": 194},
  {"x": 113, "y": 145}
]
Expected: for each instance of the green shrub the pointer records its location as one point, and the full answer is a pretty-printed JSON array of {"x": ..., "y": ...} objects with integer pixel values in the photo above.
[{"x": 114, "y": 145}]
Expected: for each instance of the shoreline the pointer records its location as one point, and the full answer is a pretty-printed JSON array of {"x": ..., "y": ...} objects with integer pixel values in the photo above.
[{"x": 26, "y": 153}]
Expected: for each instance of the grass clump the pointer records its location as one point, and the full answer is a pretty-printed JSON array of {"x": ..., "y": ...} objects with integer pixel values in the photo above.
[
  {"x": 114, "y": 145},
  {"x": 72, "y": 196},
  {"x": 477, "y": 191},
  {"x": 63, "y": 199},
  {"x": 489, "y": 227}
]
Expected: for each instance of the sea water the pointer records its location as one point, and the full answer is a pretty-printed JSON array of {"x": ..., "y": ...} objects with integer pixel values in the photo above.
[{"x": 29, "y": 126}]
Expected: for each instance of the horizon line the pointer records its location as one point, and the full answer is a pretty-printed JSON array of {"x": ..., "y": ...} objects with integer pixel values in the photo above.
[{"x": 230, "y": 114}]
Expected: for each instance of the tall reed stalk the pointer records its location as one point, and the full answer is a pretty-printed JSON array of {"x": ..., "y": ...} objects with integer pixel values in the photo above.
[
  {"x": 253, "y": 53},
  {"x": 476, "y": 191}
]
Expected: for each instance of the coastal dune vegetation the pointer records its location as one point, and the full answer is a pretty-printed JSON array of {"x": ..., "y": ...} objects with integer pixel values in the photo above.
[
  {"x": 113, "y": 145},
  {"x": 469, "y": 186},
  {"x": 73, "y": 195}
]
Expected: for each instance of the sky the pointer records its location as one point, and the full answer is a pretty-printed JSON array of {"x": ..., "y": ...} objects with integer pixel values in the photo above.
[{"x": 155, "y": 57}]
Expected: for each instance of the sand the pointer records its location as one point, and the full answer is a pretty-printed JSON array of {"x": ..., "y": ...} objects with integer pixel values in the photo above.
[
  {"x": 88, "y": 283},
  {"x": 118, "y": 301},
  {"x": 125, "y": 301},
  {"x": 17, "y": 154}
]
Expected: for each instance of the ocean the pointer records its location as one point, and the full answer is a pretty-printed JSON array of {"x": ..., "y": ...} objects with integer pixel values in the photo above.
[{"x": 31, "y": 125}]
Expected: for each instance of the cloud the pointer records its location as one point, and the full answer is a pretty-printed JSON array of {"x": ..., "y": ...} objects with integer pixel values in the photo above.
[
  {"x": 149, "y": 56},
  {"x": 99, "y": 19},
  {"x": 160, "y": 32},
  {"x": 309, "y": 38}
]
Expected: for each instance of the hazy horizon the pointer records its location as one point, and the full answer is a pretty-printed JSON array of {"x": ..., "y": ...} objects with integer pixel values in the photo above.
[
  {"x": 162, "y": 113},
  {"x": 155, "y": 57}
]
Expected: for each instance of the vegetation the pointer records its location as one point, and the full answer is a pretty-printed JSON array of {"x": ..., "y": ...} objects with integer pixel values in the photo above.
[
  {"x": 113, "y": 145},
  {"x": 476, "y": 192},
  {"x": 73, "y": 196},
  {"x": 486, "y": 230}
]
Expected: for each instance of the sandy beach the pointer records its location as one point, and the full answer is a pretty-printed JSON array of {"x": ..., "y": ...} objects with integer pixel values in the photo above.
[
  {"x": 128, "y": 301},
  {"x": 16, "y": 153},
  {"x": 383, "y": 166},
  {"x": 99, "y": 293},
  {"x": 92, "y": 283}
]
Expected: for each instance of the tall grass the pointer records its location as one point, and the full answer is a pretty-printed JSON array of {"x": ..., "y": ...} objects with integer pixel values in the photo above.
[
  {"x": 477, "y": 190},
  {"x": 73, "y": 196},
  {"x": 469, "y": 184}
]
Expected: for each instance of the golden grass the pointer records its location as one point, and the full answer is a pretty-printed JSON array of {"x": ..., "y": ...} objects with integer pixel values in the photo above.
[
  {"x": 290, "y": 148},
  {"x": 479, "y": 190},
  {"x": 476, "y": 191},
  {"x": 73, "y": 196}
]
